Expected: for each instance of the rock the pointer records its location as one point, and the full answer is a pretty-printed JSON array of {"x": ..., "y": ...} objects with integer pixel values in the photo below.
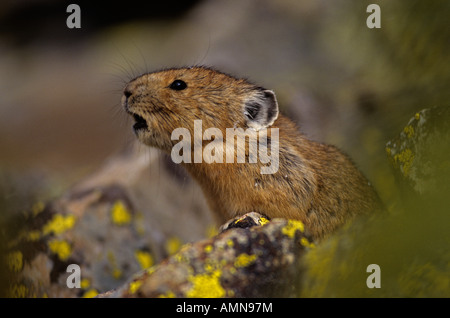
[
  {"x": 410, "y": 242},
  {"x": 420, "y": 154},
  {"x": 107, "y": 226},
  {"x": 246, "y": 260}
]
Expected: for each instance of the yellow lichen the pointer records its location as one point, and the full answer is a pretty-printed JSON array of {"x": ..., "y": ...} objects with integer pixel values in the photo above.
[
  {"x": 120, "y": 214},
  {"x": 405, "y": 158},
  {"x": 85, "y": 283},
  {"x": 409, "y": 131},
  {"x": 169, "y": 294},
  {"x": 417, "y": 116},
  {"x": 304, "y": 241},
  {"x": 144, "y": 259},
  {"x": 263, "y": 221},
  {"x": 244, "y": 260},
  {"x": 59, "y": 224},
  {"x": 61, "y": 248},
  {"x": 208, "y": 248},
  {"x": 173, "y": 245},
  {"x": 292, "y": 226},
  {"x": 206, "y": 285},
  {"x": 15, "y": 261},
  {"x": 134, "y": 286},
  {"x": 91, "y": 293},
  {"x": 230, "y": 243}
]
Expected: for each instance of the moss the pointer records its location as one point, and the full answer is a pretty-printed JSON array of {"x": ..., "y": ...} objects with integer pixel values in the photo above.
[
  {"x": 244, "y": 260},
  {"x": 120, "y": 214},
  {"x": 144, "y": 259},
  {"x": 61, "y": 248},
  {"x": 59, "y": 224}
]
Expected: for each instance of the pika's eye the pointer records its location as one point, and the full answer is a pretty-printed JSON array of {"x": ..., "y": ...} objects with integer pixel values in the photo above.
[{"x": 178, "y": 85}]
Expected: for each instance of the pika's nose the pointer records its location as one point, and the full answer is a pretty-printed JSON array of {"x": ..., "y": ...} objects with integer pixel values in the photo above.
[
  {"x": 125, "y": 97},
  {"x": 127, "y": 92}
]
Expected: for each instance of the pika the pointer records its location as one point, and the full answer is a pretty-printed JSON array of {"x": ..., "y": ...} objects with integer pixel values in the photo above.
[{"x": 314, "y": 183}]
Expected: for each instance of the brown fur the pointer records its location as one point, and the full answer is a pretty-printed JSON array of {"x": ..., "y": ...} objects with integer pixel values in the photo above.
[{"x": 315, "y": 183}]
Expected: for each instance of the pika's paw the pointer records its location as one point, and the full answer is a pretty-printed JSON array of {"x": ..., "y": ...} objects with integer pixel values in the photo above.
[{"x": 245, "y": 221}]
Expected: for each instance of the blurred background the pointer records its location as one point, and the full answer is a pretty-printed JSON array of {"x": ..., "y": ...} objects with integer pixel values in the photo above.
[{"x": 343, "y": 83}]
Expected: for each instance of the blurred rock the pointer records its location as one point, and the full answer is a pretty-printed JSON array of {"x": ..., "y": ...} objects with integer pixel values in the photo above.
[
  {"x": 420, "y": 154},
  {"x": 112, "y": 224},
  {"x": 410, "y": 243}
]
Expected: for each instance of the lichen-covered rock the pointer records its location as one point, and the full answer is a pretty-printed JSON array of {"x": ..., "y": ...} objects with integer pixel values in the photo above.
[
  {"x": 103, "y": 225},
  {"x": 420, "y": 154},
  {"x": 410, "y": 243},
  {"x": 260, "y": 261}
]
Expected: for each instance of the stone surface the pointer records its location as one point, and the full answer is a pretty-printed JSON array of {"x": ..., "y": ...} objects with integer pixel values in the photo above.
[{"x": 260, "y": 261}]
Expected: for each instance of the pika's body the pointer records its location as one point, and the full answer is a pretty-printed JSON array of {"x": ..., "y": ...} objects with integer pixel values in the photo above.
[{"x": 314, "y": 183}]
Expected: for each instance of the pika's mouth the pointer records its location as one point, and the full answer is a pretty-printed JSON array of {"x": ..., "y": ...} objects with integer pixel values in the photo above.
[{"x": 140, "y": 122}]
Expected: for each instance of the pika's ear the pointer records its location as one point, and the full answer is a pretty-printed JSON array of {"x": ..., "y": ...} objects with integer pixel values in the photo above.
[{"x": 261, "y": 110}]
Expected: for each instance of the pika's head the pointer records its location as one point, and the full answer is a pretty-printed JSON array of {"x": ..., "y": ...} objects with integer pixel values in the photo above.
[{"x": 165, "y": 100}]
